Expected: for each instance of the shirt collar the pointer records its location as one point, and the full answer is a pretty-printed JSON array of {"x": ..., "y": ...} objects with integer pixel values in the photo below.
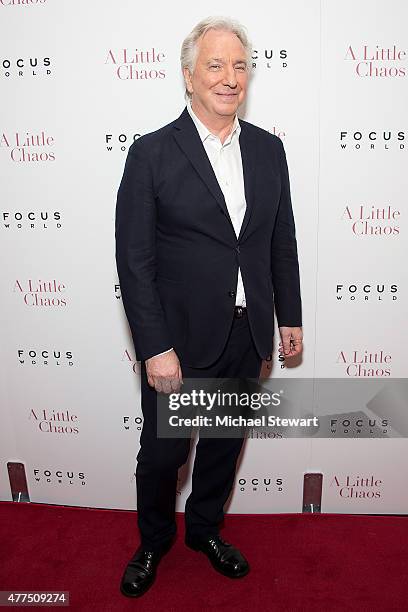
[{"x": 203, "y": 130}]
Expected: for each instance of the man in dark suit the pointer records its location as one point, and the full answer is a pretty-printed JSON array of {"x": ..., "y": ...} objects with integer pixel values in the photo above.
[{"x": 205, "y": 248}]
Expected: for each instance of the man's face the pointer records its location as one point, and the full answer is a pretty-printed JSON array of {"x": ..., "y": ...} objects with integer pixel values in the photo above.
[{"x": 219, "y": 80}]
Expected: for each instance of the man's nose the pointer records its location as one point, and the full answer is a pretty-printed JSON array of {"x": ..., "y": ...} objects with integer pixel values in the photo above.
[{"x": 230, "y": 78}]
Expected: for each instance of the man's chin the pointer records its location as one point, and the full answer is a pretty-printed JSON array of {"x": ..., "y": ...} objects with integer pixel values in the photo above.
[{"x": 226, "y": 109}]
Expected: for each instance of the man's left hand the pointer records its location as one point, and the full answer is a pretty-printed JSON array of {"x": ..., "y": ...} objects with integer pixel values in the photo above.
[{"x": 291, "y": 341}]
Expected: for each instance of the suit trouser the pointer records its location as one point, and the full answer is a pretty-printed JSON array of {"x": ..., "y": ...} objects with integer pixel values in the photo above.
[{"x": 213, "y": 474}]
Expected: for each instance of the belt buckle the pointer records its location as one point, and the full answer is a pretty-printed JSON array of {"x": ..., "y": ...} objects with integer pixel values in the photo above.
[{"x": 239, "y": 312}]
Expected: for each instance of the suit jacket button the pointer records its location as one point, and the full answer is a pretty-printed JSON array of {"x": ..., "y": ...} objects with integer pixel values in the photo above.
[
  {"x": 231, "y": 293},
  {"x": 238, "y": 250}
]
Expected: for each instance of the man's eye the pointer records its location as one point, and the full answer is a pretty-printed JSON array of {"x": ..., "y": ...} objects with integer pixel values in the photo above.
[
  {"x": 241, "y": 68},
  {"x": 215, "y": 66}
]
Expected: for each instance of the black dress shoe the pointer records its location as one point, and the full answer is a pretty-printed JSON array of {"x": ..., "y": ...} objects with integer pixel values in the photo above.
[
  {"x": 140, "y": 572},
  {"x": 224, "y": 557}
]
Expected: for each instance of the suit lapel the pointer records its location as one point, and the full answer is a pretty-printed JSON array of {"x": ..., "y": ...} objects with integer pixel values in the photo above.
[
  {"x": 189, "y": 140},
  {"x": 248, "y": 147}
]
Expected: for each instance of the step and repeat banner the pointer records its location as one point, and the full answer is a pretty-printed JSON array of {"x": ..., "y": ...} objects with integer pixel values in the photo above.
[{"x": 81, "y": 81}]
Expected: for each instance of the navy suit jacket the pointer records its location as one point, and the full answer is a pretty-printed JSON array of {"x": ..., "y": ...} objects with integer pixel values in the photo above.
[{"x": 177, "y": 252}]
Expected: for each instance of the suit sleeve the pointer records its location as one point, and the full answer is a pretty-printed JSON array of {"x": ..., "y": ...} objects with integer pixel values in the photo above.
[
  {"x": 284, "y": 257},
  {"x": 135, "y": 236}
]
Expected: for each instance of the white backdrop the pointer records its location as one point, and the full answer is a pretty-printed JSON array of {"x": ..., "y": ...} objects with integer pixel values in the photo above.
[{"x": 330, "y": 79}]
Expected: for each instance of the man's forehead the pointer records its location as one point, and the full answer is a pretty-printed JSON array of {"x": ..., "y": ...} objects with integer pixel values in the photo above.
[{"x": 213, "y": 42}]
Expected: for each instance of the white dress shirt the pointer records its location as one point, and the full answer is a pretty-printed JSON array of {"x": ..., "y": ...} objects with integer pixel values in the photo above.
[
  {"x": 227, "y": 165},
  {"x": 226, "y": 161}
]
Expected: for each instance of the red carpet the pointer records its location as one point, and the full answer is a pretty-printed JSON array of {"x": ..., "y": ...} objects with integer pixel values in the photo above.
[{"x": 299, "y": 562}]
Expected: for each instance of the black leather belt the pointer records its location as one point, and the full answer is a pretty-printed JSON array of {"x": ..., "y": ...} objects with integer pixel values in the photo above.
[{"x": 240, "y": 311}]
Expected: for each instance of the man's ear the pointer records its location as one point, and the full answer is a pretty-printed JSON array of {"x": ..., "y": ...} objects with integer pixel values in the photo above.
[{"x": 187, "y": 79}]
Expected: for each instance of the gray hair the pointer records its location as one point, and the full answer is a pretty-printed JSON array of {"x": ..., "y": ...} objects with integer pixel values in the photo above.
[{"x": 189, "y": 50}]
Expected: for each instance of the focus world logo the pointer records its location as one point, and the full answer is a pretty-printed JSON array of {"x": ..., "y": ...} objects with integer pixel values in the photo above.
[
  {"x": 132, "y": 423},
  {"x": 31, "y": 220},
  {"x": 367, "y": 292},
  {"x": 358, "y": 426},
  {"x": 259, "y": 484},
  {"x": 269, "y": 58},
  {"x": 122, "y": 142},
  {"x": 25, "y": 66},
  {"x": 58, "y": 476},
  {"x": 372, "y": 140},
  {"x": 44, "y": 357}
]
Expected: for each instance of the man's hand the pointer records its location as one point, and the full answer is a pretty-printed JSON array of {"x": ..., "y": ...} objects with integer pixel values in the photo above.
[
  {"x": 164, "y": 372},
  {"x": 291, "y": 343}
]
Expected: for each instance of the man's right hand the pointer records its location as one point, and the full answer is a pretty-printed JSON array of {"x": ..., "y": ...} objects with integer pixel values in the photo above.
[{"x": 164, "y": 372}]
